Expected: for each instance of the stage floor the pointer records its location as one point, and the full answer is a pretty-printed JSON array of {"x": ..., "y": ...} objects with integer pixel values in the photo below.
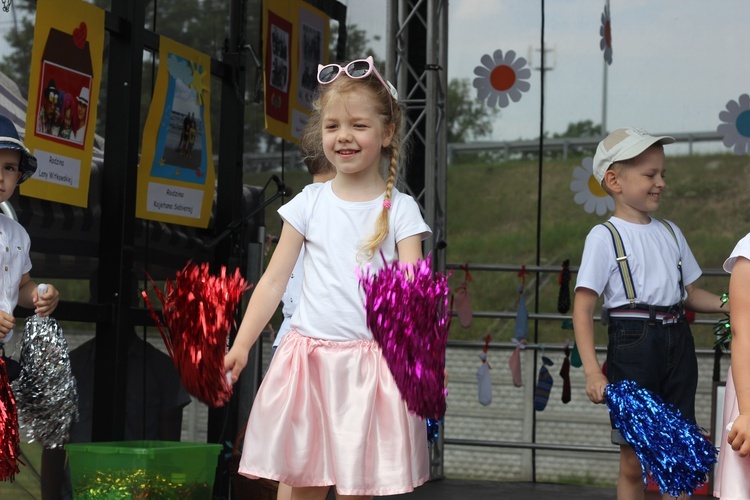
[{"x": 458, "y": 489}]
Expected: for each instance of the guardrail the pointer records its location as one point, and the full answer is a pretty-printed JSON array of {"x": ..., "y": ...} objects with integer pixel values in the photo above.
[
  {"x": 265, "y": 162},
  {"x": 508, "y": 148}
]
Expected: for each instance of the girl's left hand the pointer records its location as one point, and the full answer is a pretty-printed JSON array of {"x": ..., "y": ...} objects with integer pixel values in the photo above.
[
  {"x": 45, "y": 303},
  {"x": 739, "y": 435}
]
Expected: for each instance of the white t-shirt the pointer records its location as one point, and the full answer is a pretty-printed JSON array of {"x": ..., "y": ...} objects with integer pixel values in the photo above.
[
  {"x": 290, "y": 299},
  {"x": 652, "y": 256},
  {"x": 742, "y": 249},
  {"x": 332, "y": 304},
  {"x": 15, "y": 245}
]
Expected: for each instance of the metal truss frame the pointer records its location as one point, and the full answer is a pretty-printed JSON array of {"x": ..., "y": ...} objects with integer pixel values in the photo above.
[{"x": 417, "y": 60}]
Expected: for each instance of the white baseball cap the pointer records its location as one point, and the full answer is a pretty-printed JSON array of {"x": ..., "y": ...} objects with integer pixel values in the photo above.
[{"x": 623, "y": 144}]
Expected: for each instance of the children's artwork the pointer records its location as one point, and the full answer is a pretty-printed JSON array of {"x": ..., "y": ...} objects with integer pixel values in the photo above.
[
  {"x": 514, "y": 362},
  {"x": 565, "y": 374},
  {"x": 544, "y": 384},
  {"x": 605, "y": 30},
  {"x": 484, "y": 382},
  {"x": 563, "y": 296},
  {"x": 588, "y": 192},
  {"x": 501, "y": 77},
  {"x": 176, "y": 171},
  {"x": 66, "y": 67},
  {"x": 735, "y": 126},
  {"x": 296, "y": 36},
  {"x": 462, "y": 300}
]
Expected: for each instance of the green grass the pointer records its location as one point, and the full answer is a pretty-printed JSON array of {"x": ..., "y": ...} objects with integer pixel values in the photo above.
[{"x": 492, "y": 219}]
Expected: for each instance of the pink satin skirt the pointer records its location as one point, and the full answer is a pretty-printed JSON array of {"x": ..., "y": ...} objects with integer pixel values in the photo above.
[
  {"x": 329, "y": 413},
  {"x": 732, "y": 478}
]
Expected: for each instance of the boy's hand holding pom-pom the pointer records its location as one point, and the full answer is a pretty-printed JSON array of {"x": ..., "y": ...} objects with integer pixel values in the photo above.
[
  {"x": 45, "y": 298},
  {"x": 409, "y": 315}
]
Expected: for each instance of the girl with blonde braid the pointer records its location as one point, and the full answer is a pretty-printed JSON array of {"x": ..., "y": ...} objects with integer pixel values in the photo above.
[{"x": 328, "y": 412}]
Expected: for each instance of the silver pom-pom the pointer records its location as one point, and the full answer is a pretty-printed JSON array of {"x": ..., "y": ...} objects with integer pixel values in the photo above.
[{"x": 45, "y": 392}]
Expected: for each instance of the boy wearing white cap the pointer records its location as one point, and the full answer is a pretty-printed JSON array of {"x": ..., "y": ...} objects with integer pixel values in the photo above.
[
  {"x": 645, "y": 270},
  {"x": 16, "y": 287}
]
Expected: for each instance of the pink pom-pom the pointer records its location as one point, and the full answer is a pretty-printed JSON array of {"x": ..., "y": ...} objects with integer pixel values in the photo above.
[
  {"x": 409, "y": 315},
  {"x": 198, "y": 312}
]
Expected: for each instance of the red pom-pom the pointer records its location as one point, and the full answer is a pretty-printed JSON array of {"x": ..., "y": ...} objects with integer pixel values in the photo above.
[
  {"x": 9, "y": 437},
  {"x": 198, "y": 312}
]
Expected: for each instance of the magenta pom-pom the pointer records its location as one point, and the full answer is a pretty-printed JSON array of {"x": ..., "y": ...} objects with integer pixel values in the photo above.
[{"x": 408, "y": 313}]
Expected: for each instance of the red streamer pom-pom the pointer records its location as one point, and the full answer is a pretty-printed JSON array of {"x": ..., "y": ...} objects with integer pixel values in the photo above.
[
  {"x": 409, "y": 315},
  {"x": 9, "y": 437},
  {"x": 198, "y": 312}
]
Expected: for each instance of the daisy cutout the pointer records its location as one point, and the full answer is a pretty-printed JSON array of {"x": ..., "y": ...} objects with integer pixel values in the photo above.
[
  {"x": 589, "y": 192},
  {"x": 736, "y": 126},
  {"x": 605, "y": 30},
  {"x": 501, "y": 77}
]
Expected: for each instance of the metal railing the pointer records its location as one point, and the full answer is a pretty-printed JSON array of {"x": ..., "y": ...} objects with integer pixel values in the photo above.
[
  {"x": 565, "y": 145},
  {"x": 263, "y": 162},
  {"x": 508, "y": 346}
]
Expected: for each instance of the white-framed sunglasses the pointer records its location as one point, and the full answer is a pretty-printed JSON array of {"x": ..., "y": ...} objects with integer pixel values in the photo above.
[{"x": 359, "y": 68}]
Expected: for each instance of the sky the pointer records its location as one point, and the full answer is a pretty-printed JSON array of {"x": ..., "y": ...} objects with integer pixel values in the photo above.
[{"x": 676, "y": 63}]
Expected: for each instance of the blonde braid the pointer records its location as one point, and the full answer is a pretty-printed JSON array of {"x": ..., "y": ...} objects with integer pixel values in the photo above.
[{"x": 382, "y": 223}]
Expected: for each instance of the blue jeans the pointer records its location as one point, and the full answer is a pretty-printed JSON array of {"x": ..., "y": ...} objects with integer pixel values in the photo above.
[{"x": 658, "y": 357}]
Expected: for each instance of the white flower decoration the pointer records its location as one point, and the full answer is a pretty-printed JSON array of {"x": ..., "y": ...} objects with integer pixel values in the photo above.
[
  {"x": 605, "y": 30},
  {"x": 501, "y": 77},
  {"x": 589, "y": 192},
  {"x": 736, "y": 126}
]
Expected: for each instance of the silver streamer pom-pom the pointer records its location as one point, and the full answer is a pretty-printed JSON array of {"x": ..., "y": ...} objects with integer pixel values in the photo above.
[{"x": 45, "y": 392}]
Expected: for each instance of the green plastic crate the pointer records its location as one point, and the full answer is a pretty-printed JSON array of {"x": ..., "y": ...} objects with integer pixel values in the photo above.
[{"x": 142, "y": 469}]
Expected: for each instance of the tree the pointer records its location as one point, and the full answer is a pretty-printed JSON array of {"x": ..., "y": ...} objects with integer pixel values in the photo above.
[
  {"x": 357, "y": 45},
  {"x": 467, "y": 117},
  {"x": 585, "y": 128},
  {"x": 17, "y": 62}
]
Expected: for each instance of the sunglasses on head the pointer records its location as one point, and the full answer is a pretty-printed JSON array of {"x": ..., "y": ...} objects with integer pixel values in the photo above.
[
  {"x": 52, "y": 96},
  {"x": 357, "y": 69}
]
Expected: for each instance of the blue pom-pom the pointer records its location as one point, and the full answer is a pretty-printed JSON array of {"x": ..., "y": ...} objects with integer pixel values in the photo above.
[
  {"x": 433, "y": 429},
  {"x": 670, "y": 447}
]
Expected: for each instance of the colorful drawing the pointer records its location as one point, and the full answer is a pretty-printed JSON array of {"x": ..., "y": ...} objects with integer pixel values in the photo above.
[
  {"x": 176, "y": 173},
  {"x": 66, "y": 67}
]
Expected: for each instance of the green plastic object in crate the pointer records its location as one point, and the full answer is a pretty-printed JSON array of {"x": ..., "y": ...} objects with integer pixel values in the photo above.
[{"x": 142, "y": 469}]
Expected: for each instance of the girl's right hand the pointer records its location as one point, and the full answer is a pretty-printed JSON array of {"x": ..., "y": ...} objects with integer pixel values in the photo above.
[
  {"x": 739, "y": 435},
  {"x": 234, "y": 363}
]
